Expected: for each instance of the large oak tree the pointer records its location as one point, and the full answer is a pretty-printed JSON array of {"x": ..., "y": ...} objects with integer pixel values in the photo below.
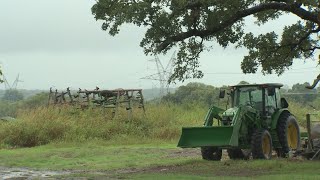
[{"x": 189, "y": 24}]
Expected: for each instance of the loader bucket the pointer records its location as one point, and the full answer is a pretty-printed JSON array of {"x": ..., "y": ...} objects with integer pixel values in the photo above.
[{"x": 218, "y": 136}]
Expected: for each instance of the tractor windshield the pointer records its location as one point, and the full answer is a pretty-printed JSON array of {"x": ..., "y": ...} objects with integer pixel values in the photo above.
[{"x": 248, "y": 96}]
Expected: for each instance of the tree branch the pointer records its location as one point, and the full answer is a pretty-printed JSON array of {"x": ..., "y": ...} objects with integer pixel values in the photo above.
[
  {"x": 293, "y": 8},
  {"x": 295, "y": 45},
  {"x": 315, "y": 82}
]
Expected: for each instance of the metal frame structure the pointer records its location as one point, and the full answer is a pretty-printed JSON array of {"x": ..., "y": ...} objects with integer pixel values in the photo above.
[
  {"x": 113, "y": 99},
  {"x": 14, "y": 84}
]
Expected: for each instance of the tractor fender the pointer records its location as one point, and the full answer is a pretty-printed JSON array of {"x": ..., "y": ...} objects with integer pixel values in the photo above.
[{"x": 275, "y": 117}]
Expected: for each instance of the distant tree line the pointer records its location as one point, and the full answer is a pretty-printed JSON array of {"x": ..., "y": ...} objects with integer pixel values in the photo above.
[
  {"x": 12, "y": 95},
  {"x": 13, "y": 100},
  {"x": 207, "y": 94},
  {"x": 299, "y": 93},
  {"x": 194, "y": 93}
]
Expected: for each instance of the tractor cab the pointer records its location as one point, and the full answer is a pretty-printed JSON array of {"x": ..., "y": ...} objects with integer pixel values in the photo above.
[
  {"x": 264, "y": 98},
  {"x": 261, "y": 99}
]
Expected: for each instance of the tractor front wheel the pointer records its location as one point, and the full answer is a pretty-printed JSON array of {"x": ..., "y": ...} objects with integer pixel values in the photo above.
[
  {"x": 261, "y": 144},
  {"x": 211, "y": 153}
]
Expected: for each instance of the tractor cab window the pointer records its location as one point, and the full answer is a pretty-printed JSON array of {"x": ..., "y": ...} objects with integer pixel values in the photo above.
[
  {"x": 271, "y": 102},
  {"x": 249, "y": 96},
  {"x": 278, "y": 99}
]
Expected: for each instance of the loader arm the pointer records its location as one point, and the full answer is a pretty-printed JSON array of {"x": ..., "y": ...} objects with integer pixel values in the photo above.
[{"x": 213, "y": 112}]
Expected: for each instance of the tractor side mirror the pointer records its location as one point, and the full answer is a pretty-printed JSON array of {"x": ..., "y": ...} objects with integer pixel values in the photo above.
[
  {"x": 222, "y": 93},
  {"x": 271, "y": 91},
  {"x": 284, "y": 103}
]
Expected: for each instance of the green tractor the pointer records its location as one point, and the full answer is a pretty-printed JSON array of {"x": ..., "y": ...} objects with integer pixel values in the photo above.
[{"x": 257, "y": 123}]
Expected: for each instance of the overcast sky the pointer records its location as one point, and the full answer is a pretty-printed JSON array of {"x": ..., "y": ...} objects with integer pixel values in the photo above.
[{"x": 58, "y": 43}]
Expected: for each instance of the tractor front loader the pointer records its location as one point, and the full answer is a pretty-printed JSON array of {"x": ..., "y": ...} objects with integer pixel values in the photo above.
[{"x": 257, "y": 123}]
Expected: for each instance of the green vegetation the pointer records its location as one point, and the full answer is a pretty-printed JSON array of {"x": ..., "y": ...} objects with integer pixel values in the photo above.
[
  {"x": 306, "y": 98},
  {"x": 11, "y": 108},
  {"x": 149, "y": 160},
  {"x": 1, "y": 78},
  {"x": 194, "y": 93},
  {"x": 38, "y": 124},
  {"x": 24, "y": 92},
  {"x": 258, "y": 169},
  {"x": 12, "y": 95},
  {"x": 44, "y": 125},
  {"x": 65, "y": 137},
  {"x": 194, "y": 26},
  {"x": 93, "y": 155}
]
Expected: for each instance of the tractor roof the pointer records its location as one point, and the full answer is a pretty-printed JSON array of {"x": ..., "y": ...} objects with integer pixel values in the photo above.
[{"x": 277, "y": 85}]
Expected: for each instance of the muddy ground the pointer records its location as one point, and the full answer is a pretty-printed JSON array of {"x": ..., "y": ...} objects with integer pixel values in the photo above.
[
  {"x": 26, "y": 173},
  {"x": 234, "y": 170},
  {"x": 8, "y": 173}
]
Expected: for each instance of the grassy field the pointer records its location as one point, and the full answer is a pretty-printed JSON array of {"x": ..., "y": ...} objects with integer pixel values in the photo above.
[
  {"x": 157, "y": 160},
  {"x": 86, "y": 143},
  {"x": 95, "y": 156},
  {"x": 68, "y": 124}
]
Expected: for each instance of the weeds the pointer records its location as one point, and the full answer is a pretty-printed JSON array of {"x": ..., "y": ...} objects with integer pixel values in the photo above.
[
  {"x": 45, "y": 125},
  {"x": 55, "y": 124}
]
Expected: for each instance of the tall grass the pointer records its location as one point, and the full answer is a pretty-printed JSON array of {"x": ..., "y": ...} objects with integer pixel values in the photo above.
[
  {"x": 44, "y": 125},
  {"x": 300, "y": 111},
  {"x": 161, "y": 122}
]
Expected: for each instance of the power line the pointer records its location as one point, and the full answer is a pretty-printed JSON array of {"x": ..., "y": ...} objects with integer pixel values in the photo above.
[
  {"x": 294, "y": 71},
  {"x": 299, "y": 93},
  {"x": 237, "y": 73},
  {"x": 304, "y": 68}
]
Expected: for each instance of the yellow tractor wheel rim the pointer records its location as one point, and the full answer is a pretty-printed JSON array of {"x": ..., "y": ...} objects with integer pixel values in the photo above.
[
  {"x": 266, "y": 146},
  {"x": 292, "y": 136}
]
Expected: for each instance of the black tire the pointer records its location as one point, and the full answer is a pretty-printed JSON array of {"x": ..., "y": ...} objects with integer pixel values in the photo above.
[
  {"x": 261, "y": 144},
  {"x": 238, "y": 154},
  {"x": 288, "y": 134},
  {"x": 211, "y": 153}
]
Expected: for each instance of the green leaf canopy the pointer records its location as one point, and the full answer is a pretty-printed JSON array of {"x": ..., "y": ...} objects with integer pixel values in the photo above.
[{"x": 189, "y": 24}]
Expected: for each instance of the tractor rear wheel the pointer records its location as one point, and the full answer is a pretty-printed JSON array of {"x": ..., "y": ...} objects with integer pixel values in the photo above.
[
  {"x": 238, "y": 154},
  {"x": 261, "y": 144},
  {"x": 288, "y": 134},
  {"x": 211, "y": 153}
]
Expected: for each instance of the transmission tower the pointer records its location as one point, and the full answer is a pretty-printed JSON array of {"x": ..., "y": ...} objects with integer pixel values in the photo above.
[
  {"x": 163, "y": 73},
  {"x": 14, "y": 85},
  {"x": 6, "y": 84}
]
